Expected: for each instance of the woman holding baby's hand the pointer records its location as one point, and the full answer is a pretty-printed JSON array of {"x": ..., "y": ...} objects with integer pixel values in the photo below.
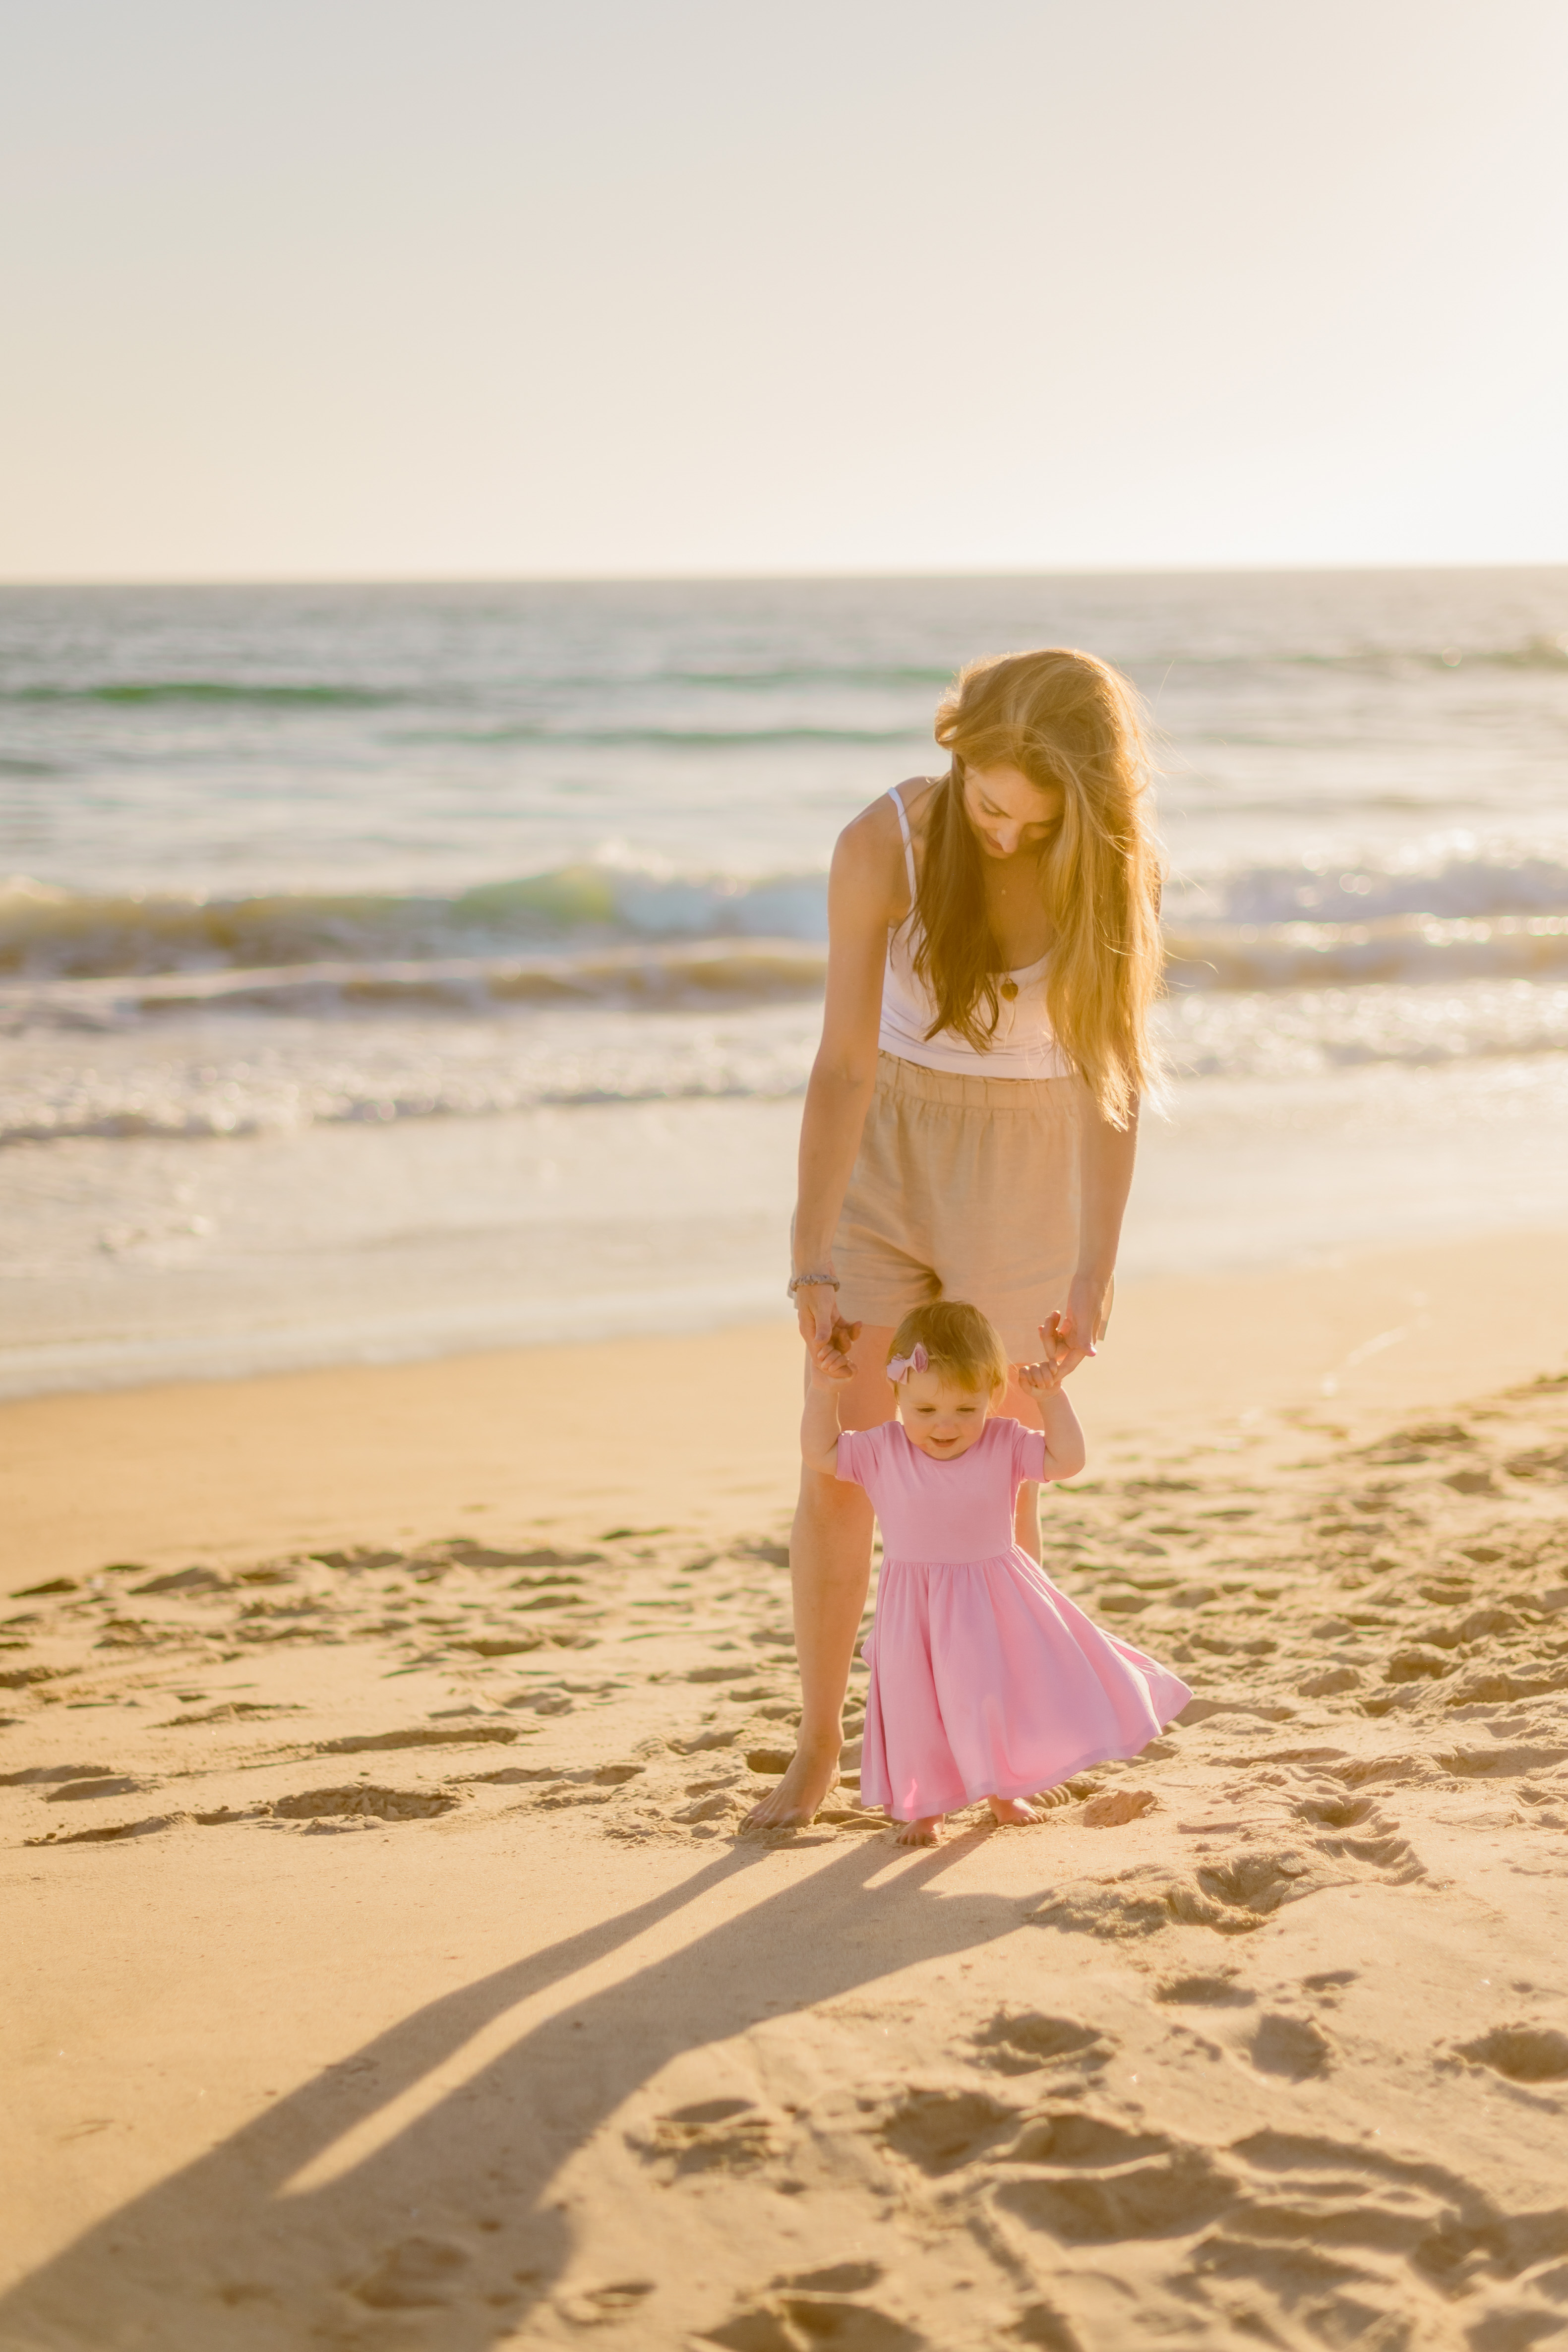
[{"x": 971, "y": 1120}]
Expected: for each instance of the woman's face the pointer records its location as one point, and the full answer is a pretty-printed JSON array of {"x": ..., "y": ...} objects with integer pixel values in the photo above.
[{"x": 1008, "y": 813}]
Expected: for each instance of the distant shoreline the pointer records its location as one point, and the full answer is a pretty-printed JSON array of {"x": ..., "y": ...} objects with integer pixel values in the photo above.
[{"x": 1470, "y": 568}]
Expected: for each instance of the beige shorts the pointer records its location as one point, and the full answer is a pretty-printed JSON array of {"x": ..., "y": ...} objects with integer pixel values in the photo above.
[{"x": 964, "y": 1188}]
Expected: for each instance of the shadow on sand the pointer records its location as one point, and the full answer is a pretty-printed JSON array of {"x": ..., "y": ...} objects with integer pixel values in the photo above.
[{"x": 444, "y": 2236}]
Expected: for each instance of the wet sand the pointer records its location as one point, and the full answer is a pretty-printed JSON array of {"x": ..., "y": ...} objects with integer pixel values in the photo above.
[{"x": 386, "y": 1969}]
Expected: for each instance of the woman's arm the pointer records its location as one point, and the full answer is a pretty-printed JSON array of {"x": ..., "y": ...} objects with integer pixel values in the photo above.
[
  {"x": 1106, "y": 1155},
  {"x": 866, "y": 895}
]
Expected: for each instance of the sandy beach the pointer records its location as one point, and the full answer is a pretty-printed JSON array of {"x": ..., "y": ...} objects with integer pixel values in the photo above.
[
  {"x": 385, "y": 1969},
  {"x": 516, "y": 696}
]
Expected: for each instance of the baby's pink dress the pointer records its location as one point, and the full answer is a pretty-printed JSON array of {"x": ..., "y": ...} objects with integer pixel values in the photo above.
[{"x": 986, "y": 1680}]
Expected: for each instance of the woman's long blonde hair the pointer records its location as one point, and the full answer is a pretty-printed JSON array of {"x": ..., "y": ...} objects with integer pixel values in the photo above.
[{"x": 1066, "y": 719}]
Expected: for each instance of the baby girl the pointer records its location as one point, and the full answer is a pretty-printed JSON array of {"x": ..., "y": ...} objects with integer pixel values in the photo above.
[{"x": 986, "y": 1681}]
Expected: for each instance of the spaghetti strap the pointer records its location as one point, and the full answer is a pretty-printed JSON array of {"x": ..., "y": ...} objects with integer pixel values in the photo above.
[{"x": 898, "y": 799}]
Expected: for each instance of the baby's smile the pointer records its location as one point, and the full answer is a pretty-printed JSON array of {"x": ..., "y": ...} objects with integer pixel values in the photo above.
[{"x": 943, "y": 1419}]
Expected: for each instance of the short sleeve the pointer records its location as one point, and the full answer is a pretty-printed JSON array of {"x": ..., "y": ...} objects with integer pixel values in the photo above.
[
  {"x": 856, "y": 1456},
  {"x": 864, "y": 1454},
  {"x": 1028, "y": 1453}
]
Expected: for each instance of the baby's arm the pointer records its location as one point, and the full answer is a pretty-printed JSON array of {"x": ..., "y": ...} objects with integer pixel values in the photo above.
[
  {"x": 1065, "y": 1452},
  {"x": 819, "y": 1423}
]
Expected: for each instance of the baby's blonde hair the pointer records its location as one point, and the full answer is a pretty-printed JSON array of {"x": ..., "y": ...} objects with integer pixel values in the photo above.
[{"x": 958, "y": 1340}]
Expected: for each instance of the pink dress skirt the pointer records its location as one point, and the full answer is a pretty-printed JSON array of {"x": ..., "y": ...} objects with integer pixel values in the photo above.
[{"x": 986, "y": 1681}]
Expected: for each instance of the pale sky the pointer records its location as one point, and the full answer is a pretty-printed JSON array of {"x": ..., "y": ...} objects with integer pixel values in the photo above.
[{"x": 456, "y": 287}]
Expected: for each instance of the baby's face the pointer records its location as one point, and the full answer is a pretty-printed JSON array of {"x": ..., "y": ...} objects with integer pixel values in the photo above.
[{"x": 943, "y": 1419}]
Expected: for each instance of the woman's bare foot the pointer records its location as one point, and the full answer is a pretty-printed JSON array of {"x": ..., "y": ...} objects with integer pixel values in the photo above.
[
  {"x": 926, "y": 1830},
  {"x": 1011, "y": 1812},
  {"x": 813, "y": 1771}
]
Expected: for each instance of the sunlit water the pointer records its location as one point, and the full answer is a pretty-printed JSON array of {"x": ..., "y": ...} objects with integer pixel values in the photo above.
[{"x": 398, "y": 969}]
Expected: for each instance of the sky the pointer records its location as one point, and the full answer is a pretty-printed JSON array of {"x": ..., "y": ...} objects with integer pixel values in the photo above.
[{"x": 382, "y": 288}]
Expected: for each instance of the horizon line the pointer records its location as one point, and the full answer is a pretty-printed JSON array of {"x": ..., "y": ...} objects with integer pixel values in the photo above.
[{"x": 802, "y": 576}]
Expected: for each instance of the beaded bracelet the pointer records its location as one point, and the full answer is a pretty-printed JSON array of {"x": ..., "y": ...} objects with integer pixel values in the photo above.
[{"x": 810, "y": 1282}]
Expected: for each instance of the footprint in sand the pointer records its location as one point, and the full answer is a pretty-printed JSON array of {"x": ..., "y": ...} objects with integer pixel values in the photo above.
[
  {"x": 1327, "y": 1984},
  {"x": 107, "y": 1835},
  {"x": 939, "y": 2131},
  {"x": 420, "y": 2275},
  {"x": 1524, "y": 2054},
  {"x": 1329, "y": 1681},
  {"x": 97, "y": 1784},
  {"x": 711, "y": 2135},
  {"x": 1162, "y": 2196},
  {"x": 813, "y": 2308},
  {"x": 1219, "y": 1990},
  {"x": 594, "y": 2306},
  {"x": 1116, "y": 1807},
  {"x": 1070, "y": 2138},
  {"x": 363, "y": 1802},
  {"x": 1335, "y": 1812},
  {"x": 242, "y": 1710},
  {"x": 1038, "y": 2324},
  {"x": 1293, "y": 2046},
  {"x": 1024, "y": 2042}
]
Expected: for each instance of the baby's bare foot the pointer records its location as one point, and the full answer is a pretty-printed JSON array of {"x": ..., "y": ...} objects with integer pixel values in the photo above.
[
  {"x": 926, "y": 1830},
  {"x": 1011, "y": 1812}
]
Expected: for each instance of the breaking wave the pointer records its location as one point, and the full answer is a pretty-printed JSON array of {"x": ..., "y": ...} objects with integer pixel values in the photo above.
[{"x": 608, "y": 931}]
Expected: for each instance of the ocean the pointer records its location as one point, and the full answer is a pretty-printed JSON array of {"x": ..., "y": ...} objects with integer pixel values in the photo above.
[{"x": 391, "y": 970}]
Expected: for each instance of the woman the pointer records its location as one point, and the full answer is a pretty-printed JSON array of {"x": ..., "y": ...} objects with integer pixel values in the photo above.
[{"x": 971, "y": 1120}]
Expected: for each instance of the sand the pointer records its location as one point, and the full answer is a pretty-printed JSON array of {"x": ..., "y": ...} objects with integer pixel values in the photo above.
[{"x": 384, "y": 1968}]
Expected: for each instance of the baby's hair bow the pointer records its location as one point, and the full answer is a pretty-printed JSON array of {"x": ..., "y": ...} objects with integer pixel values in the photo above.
[{"x": 901, "y": 1367}]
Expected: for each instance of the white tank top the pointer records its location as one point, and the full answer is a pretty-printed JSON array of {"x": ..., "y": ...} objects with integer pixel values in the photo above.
[{"x": 1024, "y": 1045}]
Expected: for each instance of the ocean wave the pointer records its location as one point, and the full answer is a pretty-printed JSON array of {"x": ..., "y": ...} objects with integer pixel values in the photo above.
[
  {"x": 1479, "y": 883},
  {"x": 189, "y": 1076},
  {"x": 653, "y": 977},
  {"x": 1534, "y": 653},
  {"x": 1540, "y": 652},
  {"x": 839, "y": 674},
  {"x": 1545, "y": 651},
  {"x": 673, "y": 739},
  {"x": 544, "y": 733},
  {"x": 52, "y": 934},
  {"x": 1392, "y": 948},
  {"x": 269, "y": 1076},
  {"x": 129, "y": 692},
  {"x": 1310, "y": 1031},
  {"x": 612, "y": 929}
]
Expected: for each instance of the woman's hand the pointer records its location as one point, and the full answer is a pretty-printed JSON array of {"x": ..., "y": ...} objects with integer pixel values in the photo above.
[{"x": 1072, "y": 1333}]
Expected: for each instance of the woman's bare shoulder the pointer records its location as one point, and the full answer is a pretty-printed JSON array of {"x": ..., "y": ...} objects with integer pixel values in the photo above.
[
  {"x": 919, "y": 795},
  {"x": 869, "y": 855},
  {"x": 871, "y": 850}
]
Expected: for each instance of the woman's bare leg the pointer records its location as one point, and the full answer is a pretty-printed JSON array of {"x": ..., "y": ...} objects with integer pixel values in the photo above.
[{"x": 830, "y": 1567}]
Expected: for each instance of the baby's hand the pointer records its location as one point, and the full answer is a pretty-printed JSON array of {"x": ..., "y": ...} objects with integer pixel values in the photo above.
[
  {"x": 829, "y": 1368},
  {"x": 1044, "y": 1377}
]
